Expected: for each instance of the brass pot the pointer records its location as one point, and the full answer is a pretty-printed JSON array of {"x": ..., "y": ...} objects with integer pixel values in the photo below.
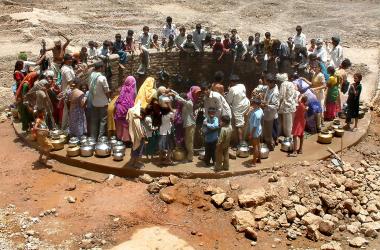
[
  {"x": 336, "y": 122},
  {"x": 73, "y": 151},
  {"x": 334, "y": 126},
  {"x": 58, "y": 144},
  {"x": 325, "y": 137},
  {"x": 339, "y": 132},
  {"x": 15, "y": 113},
  {"x": 178, "y": 154}
]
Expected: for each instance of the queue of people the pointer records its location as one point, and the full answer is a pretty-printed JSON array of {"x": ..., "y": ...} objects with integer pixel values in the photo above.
[{"x": 153, "y": 120}]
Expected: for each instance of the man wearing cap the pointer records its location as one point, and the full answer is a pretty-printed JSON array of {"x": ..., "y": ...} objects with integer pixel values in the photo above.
[
  {"x": 99, "y": 94},
  {"x": 67, "y": 76},
  {"x": 58, "y": 53},
  {"x": 320, "y": 51},
  {"x": 237, "y": 99}
]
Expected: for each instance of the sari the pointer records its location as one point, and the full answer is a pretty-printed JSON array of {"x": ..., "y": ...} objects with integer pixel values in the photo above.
[
  {"x": 111, "y": 125},
  {"x": 146, "y": 92},
  {"x": 135, "y": 130},
  {"x": 332, "y": 98},
  {"x": 77, "y": 116},
  {"x": 27, "y": 83},
  {"x": 124, "y": 102}
]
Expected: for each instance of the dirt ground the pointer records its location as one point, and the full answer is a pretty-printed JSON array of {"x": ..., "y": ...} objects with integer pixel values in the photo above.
[{"x": 120, "y": 209}]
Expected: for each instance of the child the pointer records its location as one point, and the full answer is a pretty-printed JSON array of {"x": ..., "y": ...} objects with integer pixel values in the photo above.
[
  {"x": 221, "y": 153},
  {"x": 155, "y": 44},
  {"x": 150, "y": 132},
  {"x": 299, "y": 125},
  {"x": 218, "y": 49},
  {"x": 312, "y": 46},
  {"x": 210, "y": 129},
  {"x": 40, "y": 132},
  {"x": 165, "y": 140},
  {"x": 255, "y": 129},
  {"x": 226, "y": 41},
  {"x": 353, "y": 101},
  {"x": 170, "y": 44}
]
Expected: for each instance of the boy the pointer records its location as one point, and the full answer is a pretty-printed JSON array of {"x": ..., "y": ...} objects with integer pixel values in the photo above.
[
  {"x": 255, "y": 129},
  {"x": 40, "y": 132},
  {"x": 222, "y": 145},
  {"x": 189, "y": 45},
  {"x": 210, "y": 129},
  {"x": 170, "y": 44},
  {"x": 145, "y": 40}
]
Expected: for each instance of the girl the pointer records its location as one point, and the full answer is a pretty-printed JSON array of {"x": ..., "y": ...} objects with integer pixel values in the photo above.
[
  {"x": 151, "y": 132},
  {"x": 332, "y": 95},
  {"x": 40, "y": 132},
  {"x": 353, "y": 101},
  {"x": 299, "y": 125},
  {"x": 165, "y": 142}
]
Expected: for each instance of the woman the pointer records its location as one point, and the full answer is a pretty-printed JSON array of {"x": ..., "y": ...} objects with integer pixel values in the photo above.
[
  {"x": 18, "y": 76},
  {"x": 341, "y": 74},
  {"x": 26, "y": 84},
  {"x": 317, "y": 84},
  {"x": 313, "y": 119},
  {"x": 122, "y": 105},
  {"x": 353, "y": 101},
  {"x": 332, "y": 96},
  {"x": 136, "y": 132},
  {"x": 76, "y": 102},
  {"x": 146, "y": 92}
]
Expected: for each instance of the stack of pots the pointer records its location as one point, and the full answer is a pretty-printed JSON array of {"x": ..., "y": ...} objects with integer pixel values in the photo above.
[
  {"x": 118, "y": 150},
  {"x": 73, "y": 149}
]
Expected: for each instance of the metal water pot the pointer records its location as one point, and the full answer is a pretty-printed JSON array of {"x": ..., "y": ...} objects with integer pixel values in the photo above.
[
  {"x": 287, "y": 145},
  {"x": 86, "y": 150},
  {"x": 243, "y": 150},
  {"x": 264, "y": 151},
  {"x": 73, "y": 142},
  {"x": 102, "y": 149}
]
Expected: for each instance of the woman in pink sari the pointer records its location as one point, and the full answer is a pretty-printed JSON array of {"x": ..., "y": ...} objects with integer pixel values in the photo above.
[{"x": 125, "y": 101}]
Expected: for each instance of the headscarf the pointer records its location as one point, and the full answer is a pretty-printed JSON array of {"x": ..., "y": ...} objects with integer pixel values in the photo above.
[
  {"x": 135, "y": 130},
  {"x": 126, "y": 98},
  {"x": 146, "y": 92},
  {"x": 29, "y": 79},
  {"x": 192, "y": 92}
]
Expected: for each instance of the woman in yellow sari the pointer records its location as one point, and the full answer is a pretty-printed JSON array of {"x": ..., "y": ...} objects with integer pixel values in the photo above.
[{"x": 146, "y": 92}]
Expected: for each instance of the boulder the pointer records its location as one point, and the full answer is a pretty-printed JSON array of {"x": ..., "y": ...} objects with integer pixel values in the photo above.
[
  {"x": 301, "y": 210},
  {"x": 228, "y": 204},
  {"x": 252, "y": 197},
  {"x": 250, "y": 233},
  {"x": 357, "y": 242},
  {"x": 167, "y": 195},
  {"x": 261, "y": 212},
  {"x": 242, "y": 219},
  {"x": 164, "y": 181},
  {"x": 326, "y": 227},
  {"x": 218, "y": 199},
  {"x": 333, "y": 245},
  {"x": 174, "y": 179},
  {"x": 146, "y": 178},
  {"x": 310, "y": 219},
  {"x": 312, "y": 233}
]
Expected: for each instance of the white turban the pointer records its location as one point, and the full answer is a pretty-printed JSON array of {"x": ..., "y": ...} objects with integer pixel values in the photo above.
[{"x": 282, "y": 77}]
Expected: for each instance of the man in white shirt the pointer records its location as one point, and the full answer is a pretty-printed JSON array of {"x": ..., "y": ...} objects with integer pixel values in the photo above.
[
  {"x": 181, "y": 38},
  {"x": 320, "y": 51},
  {"x": 215, "y": 100},
  {"x": 168, "y": 29},
  {"x": 199, "y": 36},
  {"x": 270, "y": 106},
  {"x": 300, "y": 37},
  {"x": 287, "y": 105},
  {"x": 145, "y": 39},
  {"x": 91, "y": 50},
  {"x": 104, "y": 51},
  {"x": 99, "y": 94},
  {"x": 336, "y": 52},
  {"x": 68, "y": 76}
]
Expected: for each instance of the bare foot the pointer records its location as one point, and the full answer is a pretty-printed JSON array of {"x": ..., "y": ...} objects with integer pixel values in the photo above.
[{"x": 294, "y": 154}]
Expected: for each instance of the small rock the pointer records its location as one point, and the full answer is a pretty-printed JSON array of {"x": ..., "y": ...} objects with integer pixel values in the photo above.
[
  {"x": 116, "y": 219},
  {"x": 228, "y": 204},
  {"x": 193, "y": 232},
  {"x": 71, "y": 187},
  {"x": 253, "y": 243},
  {"x": 287, "y": 203},
  {"x": 305, "y": 163},
  {"x": 371, "y": 233},
  {"x": 352, "y": 229},
  {"x": 89, "y": 236},
  {"x": 291, "y": 215},
  {"x": 174, "y": 179},
  {"x": 291, "y": 235},
  {"x": 153, "y": 188},
  {"x": 218, "y": 199},
  {"x": 273, "y": 178},
  {"x": 357, "y": 242},
  {"x": 165, "y": 181},
  {"x": 333, "y": 245},
  {"x": 252, "y": 197},
  {"x": 326, "y": 227},
  {"x": 301, "y": 210},
  {"x": 167, "y": 195},
  {"x": 71, "y": 199},
  {"x": 242, "y": 219},
  {"x": 234, "y": 186},
  {"x": 213, "y": 190},
  {"x": 312, "y": 233},
  {"x": 261, "y": 212},
  {"x": 146, "y": 178},
  {"x": 30, "y": 233},
  {"x": 250, "y": 233}
]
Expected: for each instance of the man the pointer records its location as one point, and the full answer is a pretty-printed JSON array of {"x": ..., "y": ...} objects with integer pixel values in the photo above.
[
  {"x": 282, "y": 54},
  {"x": 181, "y": 38},
  {"x": 199, "y": 36},
  {"x": 145, "y": 40},
  {"x": 300, "y": 37},
  {"x": 288, "y": 103},
  {"x": 189, "y": 45},
  {"x": 99, "y": 95},
  {"x": 270, "y": 105},
  {"x": 119, "y": 48},
  {"x": 237, "y": 99},
  {"x": 268, "y": 50},
  {"x": 320, "y": 51},
  {"x": 58, "y": 53},
  {"x": 336, "y": 52},
  {"x": 104, "y": 51},
  {"x": 215, "y": 100},
  {"x": 92, "y": 53},
  {"x": 68, "y": 76},
  {"x": 169, "y": 29}
]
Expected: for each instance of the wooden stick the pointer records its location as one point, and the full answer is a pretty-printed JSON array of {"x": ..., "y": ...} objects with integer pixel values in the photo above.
[
  {"x": 341, "y": 148},
  {"x": 336, "y": 156}
]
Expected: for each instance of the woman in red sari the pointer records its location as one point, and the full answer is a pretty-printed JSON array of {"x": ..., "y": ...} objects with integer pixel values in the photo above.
[{"x": 18, "y": 76}]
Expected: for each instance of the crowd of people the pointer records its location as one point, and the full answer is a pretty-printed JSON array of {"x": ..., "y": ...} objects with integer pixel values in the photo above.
[{"x": 153, "y": 120}]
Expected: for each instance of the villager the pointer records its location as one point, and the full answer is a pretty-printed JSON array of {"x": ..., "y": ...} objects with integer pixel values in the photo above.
[
  {"x": 59, "y": 51},
  {"x": 222, "y": 155},
  {"x": 68, "y": 76},
  {"x": 199, "y": 36},
  {"x": 336, "y": 52},
  {"x": 151, "y": 132},
  {"x": 299, "y": 38},
  {"x": 146, "y": 92},
  {"x": 181, "y": 38},
  {"x": 226, "y": 41},
  {"x": 104, "y": 52},
  {"x": 299, "y": 125},
  {"x": 210, "y": 130},
  {"x": 255, "y": 129},
  {"x": 119, "y": 48},
  {"x": 168, "y": 29},
  {"x": 216, "y": 101},
  {"x": 189, "y": 46},
  {"x": 170, "y": 44},
  {"x": 145, "y": 40},
  {"x": 218, "y": 86},
  {"x": 76, "y": 103},
  {"x": 270, "y": 106},
  {"x": 155, "y": 44},
  {"x": 92, "y": 53},
  {"x": 136, "y": 133},
  {"x": 287, "y": 106},
  {"x": 320, "y": 51},
  {"x": 218, "y": 49},
  {"x": 312, "y": 47},
  {"x": 353, "y": 101},
  {"x": 41, "y": 132},
  {"x": 165, "y": 144},
  {"x": 332, "y": 95}
]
